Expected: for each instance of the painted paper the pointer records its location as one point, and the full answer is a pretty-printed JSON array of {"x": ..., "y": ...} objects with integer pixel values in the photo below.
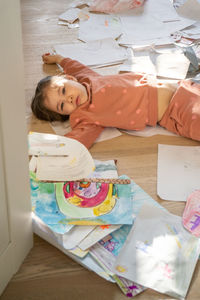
[
  {"x": 91, "y": 203},
  {"x": 191, "y": 214},
  {"x": 159, "y": 253}
]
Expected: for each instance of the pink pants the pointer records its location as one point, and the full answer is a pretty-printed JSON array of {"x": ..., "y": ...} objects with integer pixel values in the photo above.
[{"x": 183, "y": 113}]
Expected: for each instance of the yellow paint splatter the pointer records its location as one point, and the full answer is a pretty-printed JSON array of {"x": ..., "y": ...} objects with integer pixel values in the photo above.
[
  {"x": 73, "y": 161},
  {"x": 120, "y": 269}
]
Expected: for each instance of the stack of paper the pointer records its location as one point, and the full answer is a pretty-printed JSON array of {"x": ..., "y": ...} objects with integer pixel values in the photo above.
[
  {"x": 96, "y": 53},
  {"x": 76, "y": 241},
  {"x": 167, "y": 251}
]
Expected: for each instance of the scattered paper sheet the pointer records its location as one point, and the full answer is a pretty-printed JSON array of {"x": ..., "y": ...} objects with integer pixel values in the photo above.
[
  {"x": 88, "y": 262},
  {"x": 150, "y": 131},
  {"x": 100, "y": 26},
  {"x": 97, "y": 234},
  {"x": 60, "y": 168},
  {"x": 59, "y": 158},
  {"x": 95, "y": 53},
  {"x": 166, "y": 63},
  {"x": 173, "y": 64},
  {"x": 105, "y": 253},
  {"x": 79, "y": 252},
  {"x": 70, "y": 15},
  {"x": 178, "y": 171},
  {"x": 158, "y": 18},
  {"x": 159, "y": 253},
  {"x": 76, "y": 235},
  {"x": 62, "y": 128},
  {"x": 190, "y": 9},
  {"x": 191, "y": 214}
]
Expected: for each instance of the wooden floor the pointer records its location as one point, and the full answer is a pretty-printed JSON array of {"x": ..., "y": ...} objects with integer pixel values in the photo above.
[{"x": 47, "y": 273}]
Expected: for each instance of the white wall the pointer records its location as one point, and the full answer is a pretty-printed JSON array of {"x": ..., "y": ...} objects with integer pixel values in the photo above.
[{"x": 14, "y": 173}]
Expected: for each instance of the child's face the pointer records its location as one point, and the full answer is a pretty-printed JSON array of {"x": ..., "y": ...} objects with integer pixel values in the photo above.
[{"x": 64, "y": 96}]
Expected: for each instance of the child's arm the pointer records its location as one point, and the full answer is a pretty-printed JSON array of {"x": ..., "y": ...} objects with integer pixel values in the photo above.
[
  {"x": 69, "y": 66},
  {"x": 85, "y": 134},
  {"x": 77, "y": 69}
]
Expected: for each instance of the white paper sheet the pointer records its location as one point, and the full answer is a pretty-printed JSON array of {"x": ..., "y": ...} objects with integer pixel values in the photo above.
[
  {"x": 59, "y": 158},
  {"x": 61, "y": 128},
  {"x": 97, "y": 234},
  {"x": 159, "y": 253},
  {"x": 70, "y": 15},
  {"x": 178, "y": 171},
  {"x": 94, "y": 53},
  {"x": 158, "y": 19},
  {"x": 100, "y": 26},
  {"x": 76, "y": 235},
  {"x": 88, "y": 262},
  {"x": 190, "y": 9},
  {"x": 150, "y": 131},
  {"x": 165, "y": 62}
]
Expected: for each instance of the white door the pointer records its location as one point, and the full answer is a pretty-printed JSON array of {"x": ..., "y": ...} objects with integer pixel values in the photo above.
[{"x": 15, "y": 207}]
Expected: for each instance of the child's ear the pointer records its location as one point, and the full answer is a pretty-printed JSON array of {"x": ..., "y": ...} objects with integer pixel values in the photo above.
[{"x": 70, "y": 77}]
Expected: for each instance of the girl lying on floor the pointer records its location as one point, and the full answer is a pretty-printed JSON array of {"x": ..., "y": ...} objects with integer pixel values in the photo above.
[{"x": 128, "y": 101}]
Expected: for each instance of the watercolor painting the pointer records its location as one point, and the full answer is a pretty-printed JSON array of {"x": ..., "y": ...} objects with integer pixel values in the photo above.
[
  {"x": 43, "y": 197},
  {"x": 44, "y": 205},
  {"x": 91, "y": 203}
]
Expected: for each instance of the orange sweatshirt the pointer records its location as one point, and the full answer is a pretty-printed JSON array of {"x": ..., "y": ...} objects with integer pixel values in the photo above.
[{"x": 126, "y": 101}]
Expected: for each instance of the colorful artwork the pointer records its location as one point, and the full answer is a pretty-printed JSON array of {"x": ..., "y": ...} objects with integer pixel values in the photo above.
[
  {"x": 191, "y": 214},
  {"x": 43, "y": 197},
  {"x": 87, "y": 203},
  {"x": 105, "y": 252},
  {"x": 44, "y": 205}
]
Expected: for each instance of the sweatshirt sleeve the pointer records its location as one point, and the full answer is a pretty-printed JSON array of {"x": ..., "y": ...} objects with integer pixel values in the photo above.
[
  {"x": 76, "y": 69},
  {"x": 85, "y": 134}
]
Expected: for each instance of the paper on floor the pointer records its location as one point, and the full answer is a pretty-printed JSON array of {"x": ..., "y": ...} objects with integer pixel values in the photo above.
[
  {"x": 100, "y": 26},
  {"x": 62, "y": 128},
  {"x": 150, "y": 131},
  {"x": 59, "y": 158},
  {"x": 88, "y": 262},
  {"x": 70, "y": 15},
  {"x": 191, "y": 214},
  {"x": 95, "y": 53},
  {"x": 190, "y": 9},
  {"x": 159, "y": 253},
  {"x": 97, "y": 234},
  {"x": 178, "y": 171},
  {"x": 166, "y": 63}
]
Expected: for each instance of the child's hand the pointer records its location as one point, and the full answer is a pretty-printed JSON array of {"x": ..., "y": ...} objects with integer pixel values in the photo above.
[{"x": 52, "y": 58}]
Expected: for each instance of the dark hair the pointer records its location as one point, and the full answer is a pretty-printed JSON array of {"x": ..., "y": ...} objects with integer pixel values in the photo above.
[{"x": 37, "y": 105}]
